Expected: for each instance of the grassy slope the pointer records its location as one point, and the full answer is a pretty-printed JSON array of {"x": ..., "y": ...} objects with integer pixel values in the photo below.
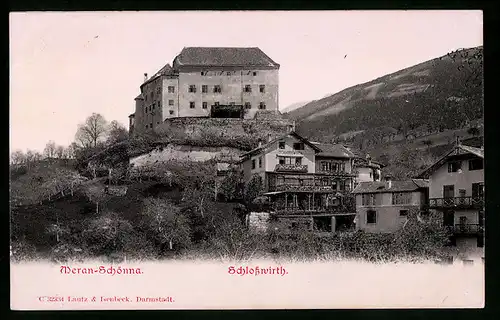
[{"x": 404, "y": 100}]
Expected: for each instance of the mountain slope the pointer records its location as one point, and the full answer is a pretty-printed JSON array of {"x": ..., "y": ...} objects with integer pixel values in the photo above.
[
  {"x": 443, "y": 93},
  {"x": 294, "y": 106}
]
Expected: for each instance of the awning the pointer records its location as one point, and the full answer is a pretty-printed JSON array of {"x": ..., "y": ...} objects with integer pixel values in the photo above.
[{"x": 272, "y": 193}]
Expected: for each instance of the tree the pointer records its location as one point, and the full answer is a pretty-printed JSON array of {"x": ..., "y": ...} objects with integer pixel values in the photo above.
[
  {"x": 93, "y": 131},
  {"x": 17, "y": 157},
  {"x": 166, "y": 223},
  {"x": 60, "y": 152},
  {"x": 253, "y": 188},
  {"x": 108, "y": 233},
  {"x": 70, "y": 151},
  {"x": 117, "y": 132},
  {"x": 473, "y": 131},
  {"x": 50, "y": 149}
]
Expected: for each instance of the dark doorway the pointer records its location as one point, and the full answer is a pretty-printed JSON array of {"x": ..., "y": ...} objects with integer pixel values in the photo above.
[
  {"x": 344, "y": 223},
  {"x": 322, "y": 224},
  {"x": 448, "y": 218}
]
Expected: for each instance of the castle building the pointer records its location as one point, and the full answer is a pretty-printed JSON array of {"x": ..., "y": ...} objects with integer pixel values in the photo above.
[{"x": 208, "y": 82}]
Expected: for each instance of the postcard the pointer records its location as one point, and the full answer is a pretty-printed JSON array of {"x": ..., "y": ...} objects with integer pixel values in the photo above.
[{"x": 246, "y": 160}]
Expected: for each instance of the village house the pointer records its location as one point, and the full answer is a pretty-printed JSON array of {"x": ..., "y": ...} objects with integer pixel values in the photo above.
[
  {"x": 367, "y": 169},
  {"x": 208, "y": 82},
  {"x": 307, "y": 183},
  {"x": 383, "y": 206},
  {"x": 456, "y": 189}
]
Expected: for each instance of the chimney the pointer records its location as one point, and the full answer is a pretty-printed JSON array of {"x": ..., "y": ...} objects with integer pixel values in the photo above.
[
  {"x": 145, "y": 77},
  {"x": 388, "y": 182},
  {"x": 260, "y": 143}
]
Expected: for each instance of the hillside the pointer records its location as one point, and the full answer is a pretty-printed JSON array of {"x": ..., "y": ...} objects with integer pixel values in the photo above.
[
  {"x": 294, "y": 106},
  {"x": 441, "y": 94}
]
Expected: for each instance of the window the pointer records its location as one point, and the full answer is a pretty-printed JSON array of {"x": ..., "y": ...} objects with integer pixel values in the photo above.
[
  {"x": 158, "y": 90},
  {"x": 281, "y": 160},
  {"x": 170, "y": 102},
  {"x": 145, "y": 97},
  {"x": 146, "y": 126},
  {"x": 151, "y": 95},
  {"x": 154, "y": 104},
  {"x": 478, "y": 190},
  {"x": 146, "y": 109},
  {"x": 204, "y": 105},
  {"x": 171, "y": 89},
  {"x": 281, "y": 144},
  {"x": 298, "y": 146},
  {"x": 260, "y": 162},
  {"x": 403, "y": 213},
  {"x": 171, "y": 111},
  {"x": 192, "y": 88},
  {"x": 476, "y": 164},
  {"x": 262, "y": 88},
  {"x": 159, "y": 104},
  {"x": 216, "y": 103},
  {"x": 253, "y": 164},
  {"x": 371, "y": 216},
  {"x": 228, "y": 73},
  {"x": 401, "y": 198},
  {"x": 149, "y": 107},
  {"x": 254, "y": 73},
  {"x": 262, "y": 106},
  {"x": 151, "y": 125},
  {"x": 191, "y": 105},
  {"x": 371, "y": 199},
  {"x": 202, "y": 73},
  {"x": 298, "y": 161},
  {"x": 157, "y": 122},
  {"x": 204, "y": 88},
  {"x": 454, "y": 166},
  {"x": 248, "y": 105},
  {"x": 217, "y": 89},
  {"x": 248, "y": 88}
]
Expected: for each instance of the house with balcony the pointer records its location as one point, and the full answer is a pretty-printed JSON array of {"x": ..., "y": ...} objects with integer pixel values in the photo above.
[
  {"x": 456, "y": 189},
  {"x": 383, "y": 206},
  {"x": 307, "y": 183}
]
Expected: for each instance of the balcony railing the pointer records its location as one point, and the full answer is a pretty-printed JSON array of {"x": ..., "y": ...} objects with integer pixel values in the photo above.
[
  {"x": 291, "y": 168},
  {"x": 308, "y": 187},
  {"x": 298, "y": 210},
  {"x": 456, "y": 202},
  {"x": 467, "y": 229}
]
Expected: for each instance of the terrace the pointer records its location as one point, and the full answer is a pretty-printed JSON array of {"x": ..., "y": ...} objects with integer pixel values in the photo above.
[{"x": 457, "y": 203}]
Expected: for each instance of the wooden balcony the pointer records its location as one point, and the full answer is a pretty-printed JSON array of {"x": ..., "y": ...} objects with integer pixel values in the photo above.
[
  {"x": 456, "y": 203},
  {"x": 298, "y": 210},
  {"x": 466, "y": 229},
  {"x": 291, "y": 168}
]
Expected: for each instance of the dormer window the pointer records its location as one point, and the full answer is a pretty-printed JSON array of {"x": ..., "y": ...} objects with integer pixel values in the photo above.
[{"x": 281, "y": 144}]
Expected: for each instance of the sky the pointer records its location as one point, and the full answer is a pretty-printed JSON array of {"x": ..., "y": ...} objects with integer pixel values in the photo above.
[{"x": 66, "y": 65}]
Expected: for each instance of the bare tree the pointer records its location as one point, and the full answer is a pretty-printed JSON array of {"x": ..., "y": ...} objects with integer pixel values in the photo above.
[
  {"x": 117, "y": 132},
  {"x": 60, "y": 152},
  {"x": 69, "y": 151},
  {"x": 17, "y": 157},
  {"x": 92, "y": 131},
  {"x": 50, "y": 149}
]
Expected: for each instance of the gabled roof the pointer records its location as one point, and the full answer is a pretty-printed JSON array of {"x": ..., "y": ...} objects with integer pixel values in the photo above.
[
  {"x": 333, "y": 150},
  {"x": 292, "y": 133},
  {"x": 164, "y": 71},
  {"x": 223, "y": 56},
  {"x": 396, "y": 186},
  {"x": 458, "y": 149}
]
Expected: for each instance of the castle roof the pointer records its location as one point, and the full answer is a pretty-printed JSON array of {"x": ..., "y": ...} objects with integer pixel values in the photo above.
[{"x": 223, "y": 56}]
